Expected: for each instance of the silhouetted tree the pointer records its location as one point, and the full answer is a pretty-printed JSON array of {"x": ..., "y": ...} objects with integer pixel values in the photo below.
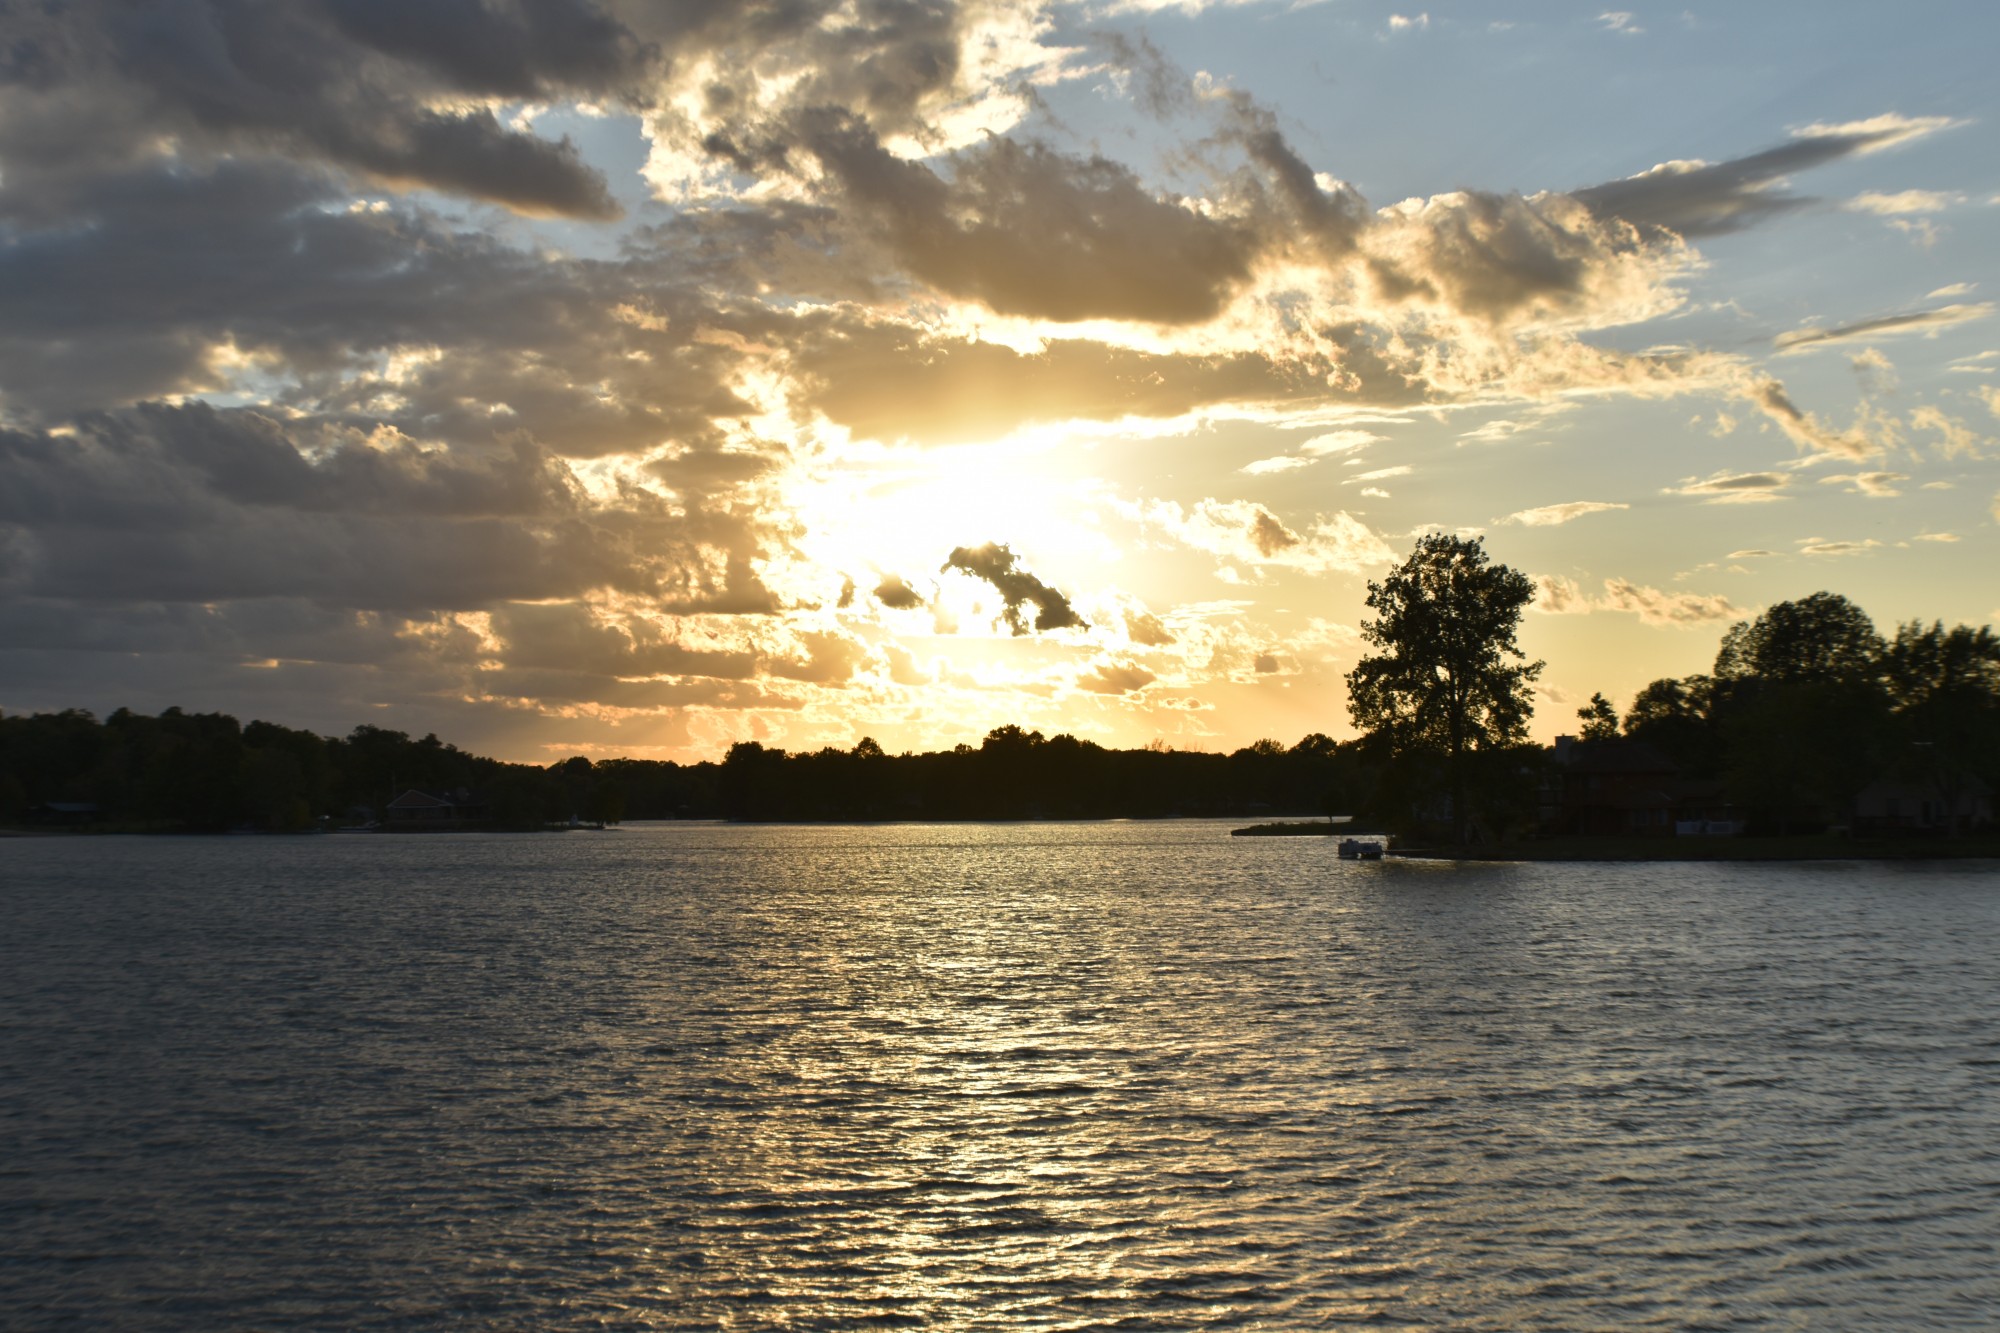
[
  {"x": 1823, "y": 638},
  {"x": 1672, "y": 715},
  {"x": 1944, "y": 685},
  {"x": 1599, "y": 718},
  {"x": 1800, "y": 708},
  {"x": 1446, "y": 620}
]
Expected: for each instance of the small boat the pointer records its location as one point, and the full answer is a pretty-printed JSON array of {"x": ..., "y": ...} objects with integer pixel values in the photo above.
[{"x": 1356, "y": 849}]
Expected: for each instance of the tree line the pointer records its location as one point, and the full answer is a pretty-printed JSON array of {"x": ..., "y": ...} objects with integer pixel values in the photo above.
[
  {"x": 1806, "y": 704},
  {"x": 208, "y": 772},
  {"x": 1809, "y": 703}
]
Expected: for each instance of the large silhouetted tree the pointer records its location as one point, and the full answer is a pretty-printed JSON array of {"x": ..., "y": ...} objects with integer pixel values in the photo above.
[
  {"x": 1800, "y": 707},
  {"x": 1821, "y": 639},
  {"x": 1945, "y": 687},
  {"x": 1450, "y": 678}
]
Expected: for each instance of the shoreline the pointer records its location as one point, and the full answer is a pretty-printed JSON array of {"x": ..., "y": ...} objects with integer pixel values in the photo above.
[{"x": 1803, "y": 848}]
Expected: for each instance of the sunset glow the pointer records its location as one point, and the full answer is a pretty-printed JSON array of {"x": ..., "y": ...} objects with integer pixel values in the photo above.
[{"x": 618, "y": 383}]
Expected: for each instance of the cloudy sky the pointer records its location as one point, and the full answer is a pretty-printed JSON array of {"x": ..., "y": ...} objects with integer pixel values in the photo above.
[{"x": 608, "y": 377}]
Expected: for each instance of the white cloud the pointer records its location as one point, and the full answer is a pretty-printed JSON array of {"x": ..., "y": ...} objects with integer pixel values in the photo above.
[
  {"x": 1250, "y": 534},
  {"x": 1879, "y": 133},
  {"x": 1378, "y": 474},
  {"x": 1408, "y": 22},
  {"x": 1339, "y": 442},
  {"x": 1560, "y": 596},
  {"x": 1550, "y": 515},
  {"x": 1871, "y": 358},
  {"x": 1872, "y": 431},
  {"x": 1958, "y": 440},
  {"x": 1734, "y": 488},
  {"x": 1314, "y": 449},
  {"x": 1266, "y": 466},
  {"x": 1493, "y": 432},
  {"x": 1619, "y": 20},
  {"x": 1875, "y": 485},
  {"x": 1819, "y": 546},
  {"x": 1903, "y": 202}
]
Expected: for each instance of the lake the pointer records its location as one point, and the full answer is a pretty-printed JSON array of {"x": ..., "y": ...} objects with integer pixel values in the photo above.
[{"x": 1036, "y": 1076}]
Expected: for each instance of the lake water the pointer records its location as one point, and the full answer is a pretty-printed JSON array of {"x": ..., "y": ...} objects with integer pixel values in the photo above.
[{"x": 1014, "y": 1076}]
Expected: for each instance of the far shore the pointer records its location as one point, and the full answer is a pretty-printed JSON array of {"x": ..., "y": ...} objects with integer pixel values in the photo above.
[{"x": 1815, "y": 847}]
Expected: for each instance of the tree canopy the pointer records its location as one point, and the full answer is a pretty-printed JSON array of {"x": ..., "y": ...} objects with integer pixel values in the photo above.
[
  {"x": 1450, "y": 678},
  {"x": 1809, "y": 705},
  {"x": 1823, "y": 638},
  {"x": 1599, "y": 718}
]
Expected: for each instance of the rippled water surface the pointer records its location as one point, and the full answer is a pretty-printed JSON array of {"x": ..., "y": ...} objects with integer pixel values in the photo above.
[{"x": 1020, "y": 1076}]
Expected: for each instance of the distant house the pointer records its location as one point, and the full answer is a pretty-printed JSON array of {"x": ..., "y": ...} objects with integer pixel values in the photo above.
[
  {"x": 62, "y": 813},
  {"x": 1900, "y": 805},
  {"x": 1703, "y": 809},
  {"x": 1626, "y": 788},
  {"x": 435, "y": 811}
]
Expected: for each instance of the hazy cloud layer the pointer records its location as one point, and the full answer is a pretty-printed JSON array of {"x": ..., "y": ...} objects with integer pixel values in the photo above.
[{"x": 322, "y": 357}]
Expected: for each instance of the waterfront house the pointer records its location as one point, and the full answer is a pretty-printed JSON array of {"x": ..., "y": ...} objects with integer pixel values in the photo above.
[
  {"x": 1610, "y": 788},
  {"x": 435, "y": 811},
  {"x": 1895, "y": 805}
]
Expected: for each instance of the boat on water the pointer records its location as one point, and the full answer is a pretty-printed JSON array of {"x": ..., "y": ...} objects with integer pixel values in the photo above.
[{"x": 1360, "y": 849}]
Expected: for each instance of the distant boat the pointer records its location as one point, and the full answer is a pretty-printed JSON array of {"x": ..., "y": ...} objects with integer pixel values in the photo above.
[{"x": 1356, "y": 849}]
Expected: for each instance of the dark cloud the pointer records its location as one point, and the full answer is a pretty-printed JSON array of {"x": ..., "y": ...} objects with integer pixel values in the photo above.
[
  {"x": 764, "y": 61},
  {"x": 162, "y": 268},
  {"x": 1116, "y": 678},
  {"x": 890, "y": 381},
  {"x": 1146, "y": 628},
  {"x": 1919, "y": 321},
  {"x": 1031, "y": 231},
  {"x": 196, "y": 504},
  {"x": 1736, "y": 486},
  {"x": 999, "y": 567},
  {"x": 1324, "y": 223},
  {"x": 896, "y": 594},
  {"x": 1270, "y": 536},
  {"x": 830, "y": 659},
  {"x": 569, "y": 636},
  {"x": 1714, "y": 198},
  {"x": 521, "y": 50},
  {"x": 540, "y": 688},
  {"x": 355, "y": 85}
]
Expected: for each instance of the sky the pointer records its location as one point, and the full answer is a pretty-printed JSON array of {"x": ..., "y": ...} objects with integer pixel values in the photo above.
[{"x": 613, "y": 378}]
